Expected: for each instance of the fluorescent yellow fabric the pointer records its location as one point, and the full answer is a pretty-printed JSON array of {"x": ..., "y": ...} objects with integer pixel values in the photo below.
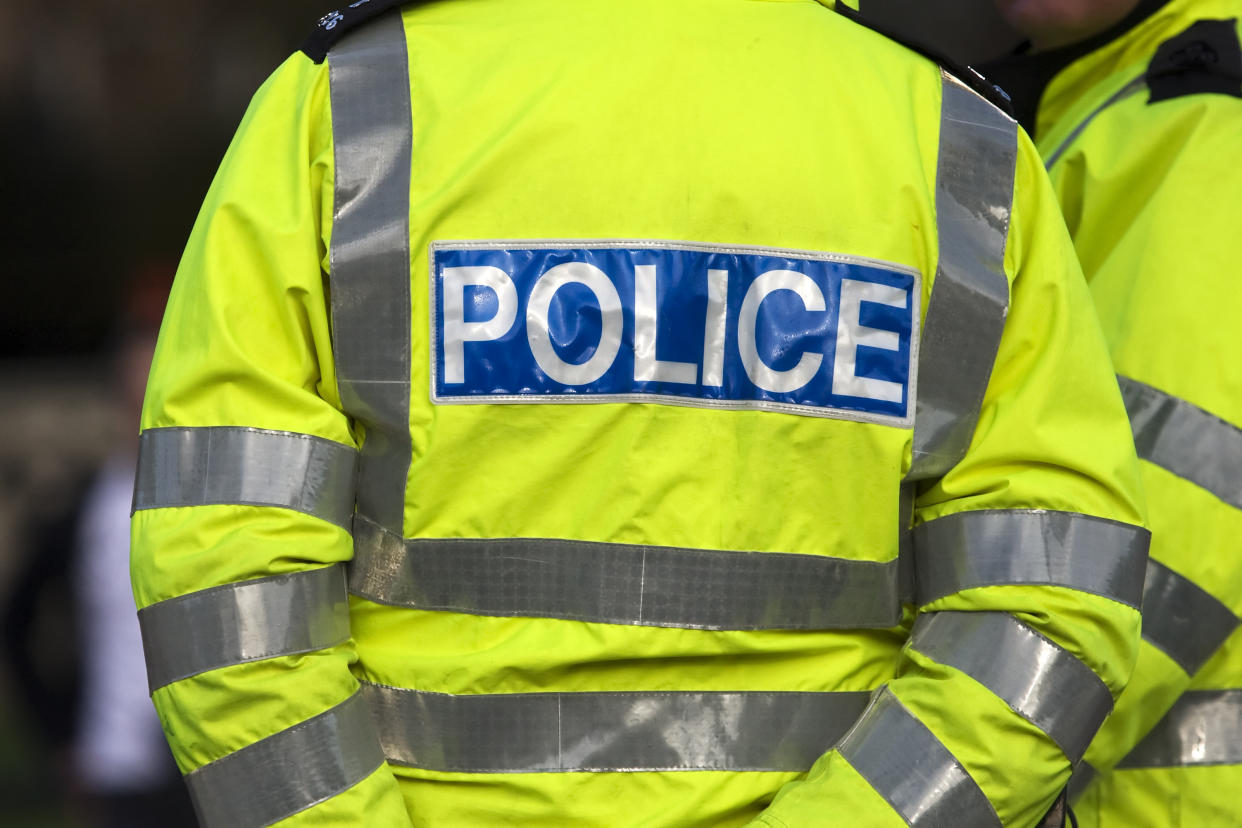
[
  {"x": 1151, "y": 194},
  {"x": 1020, "y": 414},
  {"x": 774, "y": 124},
  {"x": 245, "y": 344}
]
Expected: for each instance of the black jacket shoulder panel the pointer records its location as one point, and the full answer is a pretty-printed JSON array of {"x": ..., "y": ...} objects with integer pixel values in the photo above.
[
  {"x": 1026, "y": 75},
  {"x": 336, "y": 24},
  {"x": 1206, "y": 58},
  {"x": 966, "y": 74}
]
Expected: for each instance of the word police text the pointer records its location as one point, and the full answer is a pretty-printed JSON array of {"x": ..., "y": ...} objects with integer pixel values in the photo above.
[{"x": 687, "y": 324}]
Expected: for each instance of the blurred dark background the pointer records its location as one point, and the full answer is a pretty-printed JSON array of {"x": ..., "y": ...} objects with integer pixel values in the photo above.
[{"x": 115, "y": 116}]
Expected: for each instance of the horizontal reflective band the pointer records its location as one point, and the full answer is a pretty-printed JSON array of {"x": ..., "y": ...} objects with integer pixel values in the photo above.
[
  {"x": 970, "y": 297},
  {"x": 245, "y": 466},
  {"x": 289, "y": 771},
  {"x": 1186, "y": 440},
  {"x": 912, "y": 770},
  {"x": 1203, "y": 728},
  {"x": 1042, "y": 682},
  {"x": 242, "y": 622},
  {"x": 620, "y": 732},
  {"x": 611, "y": 583},
  {"x": 979, "y": 549},
  {"x": 1181, "y": 619}
]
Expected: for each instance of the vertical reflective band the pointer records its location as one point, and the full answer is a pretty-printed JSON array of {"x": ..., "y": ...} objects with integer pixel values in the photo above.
[
  {"x": 245, "y": 466},
  {"x": 970, "y": 297},
  {"x": 1132, "y": 88},
  {"x": 993, "y": 548},
  {"x": 1185, "y": 440},
  {"x": 370, "y": 255},
  {"x": 1183, "y": 620},
  {"x": 912, "y": 770},
  {"x": 290, "y": 771},
  {"x": 618, "y": 583},
  {"x": 1203, "y": 728},
  {"x": 1082, "y": 777},
  {"x": 238, "y": 623},
  {"x": 1039, "y": 680},
  {"x": 619, "y": 732},
  {"x": 905, "y": 543}
]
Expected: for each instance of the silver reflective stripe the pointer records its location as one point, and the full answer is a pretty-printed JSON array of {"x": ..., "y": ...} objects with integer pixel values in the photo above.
[
  {"x": 993, "y": 548},
  {"x": 290, "y": 771},
  {"x": 1203, "y": 728},
  {"x": 238, "y": 623},
  {"x": 970, "y": 297},
  {"x": 1186, "y": 440},
  {"x": 1132, "y": 88},
  {"x": 245, "y": 466},
  {"x": 614, "y": 583},
  {"x": 913, "y": 770},
  {"x": 370, "y": 255},
  {"x": 1183, "y": 620},
  {"x": 626, "y": 732},
  {"x": 1038, "y": 679},
  {"x": 1082, "y": 777},
  {"x": 905, "y": 543}
]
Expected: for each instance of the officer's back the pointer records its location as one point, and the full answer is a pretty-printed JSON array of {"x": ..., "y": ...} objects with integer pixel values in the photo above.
[{"x": 630, "y": 307}]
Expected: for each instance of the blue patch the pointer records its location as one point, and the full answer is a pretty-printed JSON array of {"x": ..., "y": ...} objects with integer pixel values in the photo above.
[{"x": 687, "y": 324}]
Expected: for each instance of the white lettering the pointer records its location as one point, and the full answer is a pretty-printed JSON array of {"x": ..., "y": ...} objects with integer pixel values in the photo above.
[
  {"x": 761, "y": 374},
  {"x": 539, "y": 335},
  {"x": 457, "y": 331},
  {"x": 714, "y": 329},
  {"x": 647, "y": 367},
  {"x": 851, "y": 334}
]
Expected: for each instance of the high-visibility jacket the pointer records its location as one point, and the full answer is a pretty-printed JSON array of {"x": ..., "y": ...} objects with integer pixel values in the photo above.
[
  {"x": 1142, "y": 131},
  {"x": 699, "y": 401}
]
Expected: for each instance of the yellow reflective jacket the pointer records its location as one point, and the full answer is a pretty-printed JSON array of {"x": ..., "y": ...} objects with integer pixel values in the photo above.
[
  {"x": 704, "y": 399},
  {"x": 1142, "y": 131}
]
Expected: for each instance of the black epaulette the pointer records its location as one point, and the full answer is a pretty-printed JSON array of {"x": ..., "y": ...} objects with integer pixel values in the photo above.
[
  {"x": 967, "y": 75},
  {"x": 1206, "y": 58},
  {"x": 336, "y": 24}
]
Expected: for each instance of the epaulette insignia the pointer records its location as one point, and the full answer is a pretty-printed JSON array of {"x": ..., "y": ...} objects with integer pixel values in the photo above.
[
  {"x": 336, "y": 24},
  {"x": 1206, "y": 58}
]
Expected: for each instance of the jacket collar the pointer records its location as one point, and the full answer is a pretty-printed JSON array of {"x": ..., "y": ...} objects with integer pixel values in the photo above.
[{"x": 1026, "y": 76}]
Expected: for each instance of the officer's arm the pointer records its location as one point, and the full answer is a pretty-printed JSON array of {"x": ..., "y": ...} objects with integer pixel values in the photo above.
[
  {"x": 1028, "y": 562},
  {"x": 245, "y": 495}
]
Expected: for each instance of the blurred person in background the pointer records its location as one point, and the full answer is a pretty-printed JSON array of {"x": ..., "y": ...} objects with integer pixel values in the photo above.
[
  {"x": 679, "y": 601},
  {"x": 115, "y": 764},
  {"x": 1136, "y": 107},
  {"x": 120, "y": 759}
]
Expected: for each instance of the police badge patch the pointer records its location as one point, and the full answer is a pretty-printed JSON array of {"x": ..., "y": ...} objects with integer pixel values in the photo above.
[{"x": 706, "y": 325}]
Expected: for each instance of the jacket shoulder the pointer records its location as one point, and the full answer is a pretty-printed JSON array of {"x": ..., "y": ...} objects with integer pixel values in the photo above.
[
  {"x": 336, "y": 24},
  {"x": 967, "y": 75},
  {"x": 1205, "y": 58}
]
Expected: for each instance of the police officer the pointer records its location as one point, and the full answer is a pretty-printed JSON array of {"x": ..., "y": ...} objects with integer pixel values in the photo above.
[
  {"x": 704, "y": 399},
  {"x": 1139, "y": 117}
]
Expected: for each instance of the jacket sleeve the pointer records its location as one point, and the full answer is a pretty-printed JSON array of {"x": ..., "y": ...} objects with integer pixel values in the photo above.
[
  {"x": 1163, "y": 273},
  {"x": 1028, "y": 557},
  {"x": 245, "y": 495}
]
